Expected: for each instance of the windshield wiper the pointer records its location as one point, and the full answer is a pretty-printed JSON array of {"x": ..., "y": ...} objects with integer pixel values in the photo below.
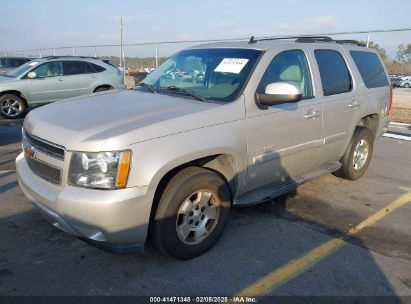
[
  {"x": 184, "y": 91},
  {"x": 148, "y": 86}
]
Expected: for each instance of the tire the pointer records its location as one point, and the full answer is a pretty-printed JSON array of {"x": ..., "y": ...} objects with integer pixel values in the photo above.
[
  {"x": 358, "y": 155},
  {"x": 102, "y": 89},
  {"x": 407, "y": 85},
  {"x": 189, "y": 202},
  {"x": 12, "y": 106}
]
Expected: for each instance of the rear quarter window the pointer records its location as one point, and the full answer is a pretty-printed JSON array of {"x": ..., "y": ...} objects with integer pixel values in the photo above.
[
  {"x": 94, "y": 68},
  {"x": 371, "y": 69}
]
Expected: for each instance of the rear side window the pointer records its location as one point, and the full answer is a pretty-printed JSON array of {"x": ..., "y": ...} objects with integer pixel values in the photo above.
[
  {"x": 335, "y": 77},
  {"x": 74, "y": 68},
  {"x": 371, "y": 69},
  {"x": 94, "y": 68},
  {"x": 14, "y": 63}
]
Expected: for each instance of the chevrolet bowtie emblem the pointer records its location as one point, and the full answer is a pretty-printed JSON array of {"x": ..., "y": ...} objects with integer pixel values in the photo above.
[{"x": 29, "y": 151}]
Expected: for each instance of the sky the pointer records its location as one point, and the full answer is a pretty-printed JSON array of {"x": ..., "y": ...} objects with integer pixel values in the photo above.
[{"x": 32, "y": 24}]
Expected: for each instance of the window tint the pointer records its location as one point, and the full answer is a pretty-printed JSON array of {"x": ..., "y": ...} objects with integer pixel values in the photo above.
[
  {"x": 50, "y": 69},
  {"x": 335, "y": 77},
  {"x": 290, "y": 67},
  {"x": 2, "y": 63},
  {"x": 74, "y": 67},
  {"x": 14, "y": 63},
  {"x": 94, "y": 68},
  {"x": 371, "y": 69}
]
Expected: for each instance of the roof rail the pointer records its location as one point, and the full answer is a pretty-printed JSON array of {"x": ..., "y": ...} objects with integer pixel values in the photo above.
[
  {"x": 314, "y": 39},
  {"x": 306, "y": 39},
  {"x": 68, "y": 56}
]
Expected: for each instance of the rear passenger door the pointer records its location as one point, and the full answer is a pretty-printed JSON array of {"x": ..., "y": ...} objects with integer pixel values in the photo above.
[
  {"x": 341, "y": 99},
  {"x": 81, "y": 78}
]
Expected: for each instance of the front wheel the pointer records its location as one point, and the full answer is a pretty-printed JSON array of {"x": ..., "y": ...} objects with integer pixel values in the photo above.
[
  {"x": 192, "y": 213},
  {"x": 11, "y": 106},
  {"x": 357, "y": 157}
]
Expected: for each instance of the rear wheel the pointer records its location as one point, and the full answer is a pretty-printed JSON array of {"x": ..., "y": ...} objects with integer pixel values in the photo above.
[
  {"x": 407, "y": 85},
  {"x": 11, "y": 106},
  {"x": 102, "y": 89},
  {"x": 356, "y": 159},
  {"x": 192, "y": 213}
]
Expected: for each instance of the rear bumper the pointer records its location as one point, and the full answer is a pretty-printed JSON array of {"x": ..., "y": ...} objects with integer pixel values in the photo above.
[{"x": 116, "y": 217}]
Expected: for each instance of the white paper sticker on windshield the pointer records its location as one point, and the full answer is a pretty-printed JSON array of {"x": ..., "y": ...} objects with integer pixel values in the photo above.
[
  {"x": 33, "y": 63},
  {"x": 231, "y": 65}
]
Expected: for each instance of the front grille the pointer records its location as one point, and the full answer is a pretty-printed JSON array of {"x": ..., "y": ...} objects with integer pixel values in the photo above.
[
  {"x": 44, "y": 146},
  {"x": 44, "y": 170}
]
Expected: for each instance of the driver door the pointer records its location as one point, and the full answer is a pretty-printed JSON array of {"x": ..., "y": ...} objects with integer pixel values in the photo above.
[
  {"x": 284, "y": 139},
  {"x": 49, "y": 84}
]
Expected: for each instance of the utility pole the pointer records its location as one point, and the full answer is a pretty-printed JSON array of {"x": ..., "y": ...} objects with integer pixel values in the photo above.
[
  {"x": 121, "y": 43},
  {"x": 368, "y": 39},
  {"x": 122, "y": 59},
  {"x": 156, "y": 55}
]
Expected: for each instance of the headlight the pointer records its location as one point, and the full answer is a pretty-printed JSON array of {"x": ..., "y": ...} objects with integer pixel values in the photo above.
[{"x": 103, "y": 170}]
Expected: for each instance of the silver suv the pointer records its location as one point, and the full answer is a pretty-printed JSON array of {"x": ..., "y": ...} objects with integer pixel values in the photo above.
[
  {"x": 215, "y": 126},
  {"x": 54, "y": 78}
]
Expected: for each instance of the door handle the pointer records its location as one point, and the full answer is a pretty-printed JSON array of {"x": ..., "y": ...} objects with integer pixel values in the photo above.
[
  {"x": 354, "y": 104},
  {"x": 312, "y": 114}
]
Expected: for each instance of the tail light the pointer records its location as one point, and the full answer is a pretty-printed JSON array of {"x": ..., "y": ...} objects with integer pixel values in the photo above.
[{"x": 389, "y": 111}]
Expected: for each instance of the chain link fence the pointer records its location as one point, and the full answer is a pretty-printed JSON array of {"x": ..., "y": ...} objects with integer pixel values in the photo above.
[{"x": 145, "y": 56}]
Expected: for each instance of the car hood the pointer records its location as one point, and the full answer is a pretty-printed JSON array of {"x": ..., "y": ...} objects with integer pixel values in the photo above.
[
  {"x": 6, "y": 79},
  {"x": 115, "y": 119}
]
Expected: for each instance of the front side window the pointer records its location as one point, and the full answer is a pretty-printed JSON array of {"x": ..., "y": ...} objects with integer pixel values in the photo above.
[
  {"x": 290, "y": 67},
  {"x": 335, "y": 77},
  {"x": 74, "y": 68},
  {"x": 49, "y": 69},
  {"x": 213, "y": 74},
  {"x": 2, "y": 63},
  {"x": 371, "y": 69}
]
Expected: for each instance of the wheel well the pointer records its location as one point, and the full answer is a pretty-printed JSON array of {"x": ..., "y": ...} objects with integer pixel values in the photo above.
[
  {"x": 372, "y": 122},
  {"x": 15, "y": 93},
  {"x": 222, "y": 164},
  {"x": 103, "y": 86}
]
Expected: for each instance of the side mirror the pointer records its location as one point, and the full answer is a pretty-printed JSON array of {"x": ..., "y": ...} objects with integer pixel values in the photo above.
[
  {"x": 279, "y": 92},
  {"x": 32, "y": 75}
]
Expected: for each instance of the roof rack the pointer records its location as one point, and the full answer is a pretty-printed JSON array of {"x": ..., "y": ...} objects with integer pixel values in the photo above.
[
  {"x": 68, "y": 56},
  {"x": 306, "y": 39}
]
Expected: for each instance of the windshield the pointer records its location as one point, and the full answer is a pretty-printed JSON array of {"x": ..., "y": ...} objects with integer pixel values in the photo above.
[
  {"x": 22, "y": 69},
  {"x": 215, "y": 74}
]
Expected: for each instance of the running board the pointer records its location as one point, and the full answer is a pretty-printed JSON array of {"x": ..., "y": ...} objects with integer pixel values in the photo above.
[{"x": 268, "y": 192}]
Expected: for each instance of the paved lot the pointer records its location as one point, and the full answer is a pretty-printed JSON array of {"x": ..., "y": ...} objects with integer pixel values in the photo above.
[{"x": 37, "y": 259}]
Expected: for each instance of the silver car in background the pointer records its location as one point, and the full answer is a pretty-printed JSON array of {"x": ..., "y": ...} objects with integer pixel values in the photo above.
[
  {"x": 7, "y": 64},
  {"x": 51, "y": 79}
]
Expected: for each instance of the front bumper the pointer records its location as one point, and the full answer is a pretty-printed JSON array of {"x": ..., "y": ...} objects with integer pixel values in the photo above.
[{"x": 118, "y": 217}]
